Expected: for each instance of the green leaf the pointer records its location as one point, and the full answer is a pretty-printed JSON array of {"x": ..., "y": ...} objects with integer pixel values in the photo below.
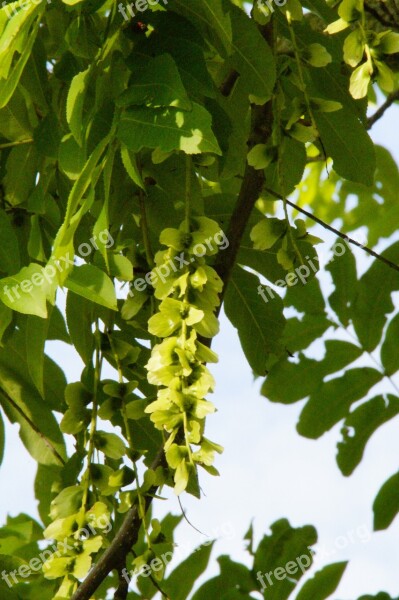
[
  {"x": 67, "y": 502},
  {"x": 47, "y": 136},
  {"x": 386, "y": 503},
  {"x": 18, "y": 36},
  {"x": 304, "y": 378},
  {"x": 36, "y": 335},
  {"x": 234, "y": 580},
  {"x": 307, "y": 299},
  {"x": 129, "y": 162},
  {"x": 307, "y": 374},
  {"x": 266, "y": 233},
  {"x": 9, "y": 251},
  {"x": 157, "y": 84},
  {"x": 331, "y": 401},
  {"x": 5, "y": 320},
  {"x": 209, "y": 17},
  {"x": 110, "y": 444},
  {"x": 354, "y": 48},
  {"x": 71, "y": 157},
  {"x": 299, "y": 334},
  {"x": 389, "y": 43},
  {"x": 2, "y": 438},
  {"x": 93, "y": 284},
  {"x": 260, "y": 324},
  {"x": 22, "y": 166},
  {"x": 77, "y": 205},
  {"x": 286, "y": 549},
  {"x": 181, "y": 581},
  {"x": 389, "y": 349},
  {"x": 324, "y": 583},
  {"x": 76, "y": 98},
  {"x": 57, "y": 329},
  {"x": 252, "y": 58},
  {"x": 47, "y": 477},
  {"x": 168, "y": 129},
  {"x": 360, "y": 81},
  {"x": 293, "y": 162},
  {"x": 344, "y": 275},
  {"x": 15, "y": 121},
  {"x": 80, "y": 316},
  {"x": 349, "y": 145},
  {"x": 317, "y": 55},
  {"x": 28, "y": 291},
  {"x": 359, "y": 426},
  {"x": 21, "y": 402},
  {"x": 373, "y": 299},
  {"x": 259, "y": 157}
]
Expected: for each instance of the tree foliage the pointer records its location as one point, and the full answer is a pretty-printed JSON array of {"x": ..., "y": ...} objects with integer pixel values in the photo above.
[{"x": 157, "y": 166}]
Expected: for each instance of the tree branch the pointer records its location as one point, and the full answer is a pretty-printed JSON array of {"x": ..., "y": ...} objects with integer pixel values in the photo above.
[
  {"x": 340, "y": 234},
  {"x": 251, "y": 187},
  {"x": 121, "y": 545},
  {"x": 380, "y": 112}
]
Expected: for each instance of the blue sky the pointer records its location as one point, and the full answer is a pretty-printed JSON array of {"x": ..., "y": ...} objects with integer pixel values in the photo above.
[{"x": 267, "y": 470}]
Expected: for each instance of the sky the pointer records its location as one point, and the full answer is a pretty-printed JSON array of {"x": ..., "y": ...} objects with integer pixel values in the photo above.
[{"x": 267, "y": 470}]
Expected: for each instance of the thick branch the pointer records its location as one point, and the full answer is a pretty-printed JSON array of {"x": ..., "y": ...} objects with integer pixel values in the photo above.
[{"x": 250, "y": 190}]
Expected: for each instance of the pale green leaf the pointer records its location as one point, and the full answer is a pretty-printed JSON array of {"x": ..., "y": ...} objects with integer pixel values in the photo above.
[{"x": 93, "y": 284}]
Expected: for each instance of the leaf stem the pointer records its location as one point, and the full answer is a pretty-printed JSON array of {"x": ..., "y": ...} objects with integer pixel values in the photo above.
[
  {"x": 14, "y": 144},
  {"x": 93, "y": 422}
]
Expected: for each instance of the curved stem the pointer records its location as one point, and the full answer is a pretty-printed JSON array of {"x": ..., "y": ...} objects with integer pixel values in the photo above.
[{"x": 93, "y": 423}]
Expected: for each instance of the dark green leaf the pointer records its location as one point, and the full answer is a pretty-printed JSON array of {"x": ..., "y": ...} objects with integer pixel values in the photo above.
[
  {"x": 359, "y": 427},
  {"x": 389, "y": 349},
  {"x": 260, "y": 324},
  {"x": 181, "y": 581},
  {"x": 386, "y": 503},
  {"x": 324, "y": 583},
  {"x": 331, "y": 402}
]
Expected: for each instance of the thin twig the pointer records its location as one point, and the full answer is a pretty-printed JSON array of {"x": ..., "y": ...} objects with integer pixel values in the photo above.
[
  {"x": 380, "y": 112},
  {"x": 340, "y": 234},
  {"x": 13, "y": 144},
  {"x": 187, "y": 519}
]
